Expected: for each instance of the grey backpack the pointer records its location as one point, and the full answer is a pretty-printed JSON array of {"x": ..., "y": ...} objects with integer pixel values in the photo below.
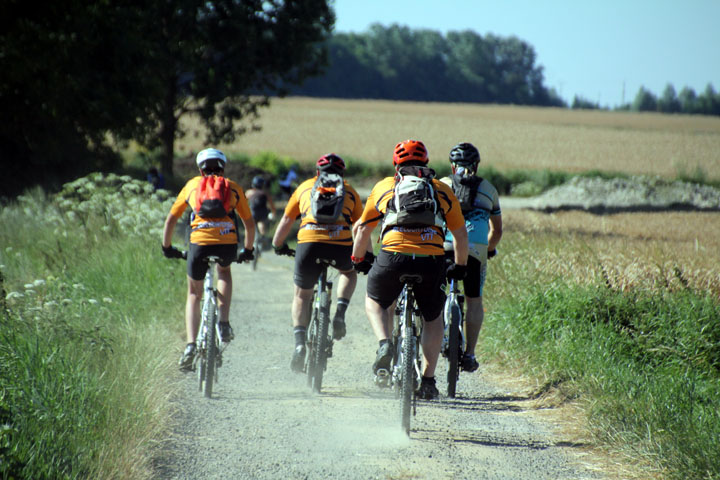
[
  {"x": 414, "y": 202},
  {"x": 327, "y": 197}
]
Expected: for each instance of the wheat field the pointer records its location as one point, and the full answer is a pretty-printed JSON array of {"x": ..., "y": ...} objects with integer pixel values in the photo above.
[{"x": 508, "y": 137}]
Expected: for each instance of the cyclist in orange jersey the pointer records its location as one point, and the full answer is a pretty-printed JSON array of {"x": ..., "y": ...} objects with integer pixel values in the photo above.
[
  {"x": 319, "y": 240},
  {"x": 409, "y": 250},
  {"x": 209, "y": 237}
]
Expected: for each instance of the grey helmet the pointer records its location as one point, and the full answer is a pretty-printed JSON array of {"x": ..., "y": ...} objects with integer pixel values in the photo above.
[{"x": 465, "y": 155}]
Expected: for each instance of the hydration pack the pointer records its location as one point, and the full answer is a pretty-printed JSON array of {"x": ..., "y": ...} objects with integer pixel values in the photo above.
[
  {"x": 414, "y": 202},
  {"x": 465, "y": 188},
  {"x": 327, "y": 197},
  {"x": 212, "y": 198}
]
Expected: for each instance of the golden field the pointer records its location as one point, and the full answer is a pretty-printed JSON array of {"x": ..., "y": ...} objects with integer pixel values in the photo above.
[{"x": 508, "y": 137}]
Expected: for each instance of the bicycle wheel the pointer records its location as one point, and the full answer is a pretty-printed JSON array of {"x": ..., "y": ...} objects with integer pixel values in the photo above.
[
  {"x": 454, "y": 349},
  {"x": 322, "y": 341},
  {"x": 211, "y": 343},
  {"x": 312, "y": 342},
  {"x": 407, "y": 357},
  {"x": 257, "y": 249}
]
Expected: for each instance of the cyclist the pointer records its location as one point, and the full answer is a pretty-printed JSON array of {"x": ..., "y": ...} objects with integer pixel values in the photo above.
[
  {"x": 409, "y": 250},
  {"x": 209, "y": 237},
  {"x": 483, "y": 219},
  {"x": 318, "y": 240},
  {"x": 261, "y": 206}
]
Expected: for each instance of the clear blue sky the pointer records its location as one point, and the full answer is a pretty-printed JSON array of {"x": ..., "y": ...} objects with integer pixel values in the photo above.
[{"x": 591, "y": 48}]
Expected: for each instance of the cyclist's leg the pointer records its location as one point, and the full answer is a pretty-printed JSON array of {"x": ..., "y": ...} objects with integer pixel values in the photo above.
[
  {"x": 474, "y": 315},
  {"x": 305, "y": 276},
  {"x": 301, "y": 306},
  {"x": 192, "y": 308},
  {"x": 430, "y": 298},
  {"x": 224, "y": 287},
  {"x": 431, "y": 341}
]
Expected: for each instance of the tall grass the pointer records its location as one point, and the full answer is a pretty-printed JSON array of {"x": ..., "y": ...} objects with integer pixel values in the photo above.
[
  {"x": 642, "y": 354},
  {"x": 91, "y": 311}
]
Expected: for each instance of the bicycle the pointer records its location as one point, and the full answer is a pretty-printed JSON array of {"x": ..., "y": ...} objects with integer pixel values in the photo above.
[
  {"x": 319, "y": 342},
  {"x": 453, "y": 344},
  {"x": 405, "y": 367},
  {"x": 257, "y": 249},
  {"x": 209, "y": 348}
]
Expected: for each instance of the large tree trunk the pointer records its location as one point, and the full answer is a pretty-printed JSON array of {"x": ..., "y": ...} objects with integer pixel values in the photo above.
[{"x": 167, "y": 131}]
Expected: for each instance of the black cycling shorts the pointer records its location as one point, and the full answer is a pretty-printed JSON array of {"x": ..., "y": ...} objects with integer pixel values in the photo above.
[
  {"x": 196, "y": 264},
  {"x": 384, "y": 286},
  {"x": 307, "y": 270},
  {"x": 474, "y": 280},
  {"x": 260, "y": 214}
]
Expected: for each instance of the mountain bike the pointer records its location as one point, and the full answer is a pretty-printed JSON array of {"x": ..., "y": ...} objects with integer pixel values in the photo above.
[
  {"x": 209, "y": 349},
  {"x": 404, "y": 375},
  {"x": 453, "y": 344},
  {"x": 319, "y": 341}
]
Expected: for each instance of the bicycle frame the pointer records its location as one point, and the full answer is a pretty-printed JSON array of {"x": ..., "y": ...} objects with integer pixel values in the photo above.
[{"x": 209, "y": 356}]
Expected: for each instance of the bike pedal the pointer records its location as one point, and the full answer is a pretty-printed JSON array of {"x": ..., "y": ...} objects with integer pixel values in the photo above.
[{"x": 382, "y": 378}]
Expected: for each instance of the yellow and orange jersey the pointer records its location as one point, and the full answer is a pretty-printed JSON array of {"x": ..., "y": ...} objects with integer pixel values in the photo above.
[
  {"x": 422, "y": 240},
  {"x": 211, "y": 231},
  {"x": 339, "y": 233}
]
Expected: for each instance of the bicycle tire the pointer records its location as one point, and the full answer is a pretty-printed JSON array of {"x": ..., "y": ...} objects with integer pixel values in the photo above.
[
  {"x": 211, "y": 351},
  {"x": 322, "y": 341},
  {"x": 258, "y": 247},
  {"x": 407, "y": 366},
  {"x": 312, "y": 335},
  {"x": 454, "y": 349}
]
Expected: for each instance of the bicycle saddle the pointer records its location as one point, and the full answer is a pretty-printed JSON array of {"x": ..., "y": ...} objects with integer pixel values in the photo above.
[{"x": 410, "y": 278}]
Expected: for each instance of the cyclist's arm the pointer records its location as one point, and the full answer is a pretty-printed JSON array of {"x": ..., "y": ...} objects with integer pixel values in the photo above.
[
  {"x": 363, "y": 234},
  {"x": 495, "y": 233},
  {"x": 168, "y": 230},
  {"x": 271, "y": 203},
  {"x": 460, "y": 245},
  {"x": 282, "y": 230},
  {"x": 249, "y": 225}
]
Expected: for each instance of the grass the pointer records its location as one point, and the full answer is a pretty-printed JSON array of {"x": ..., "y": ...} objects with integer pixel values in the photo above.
[{"x": 86, "y": 329}]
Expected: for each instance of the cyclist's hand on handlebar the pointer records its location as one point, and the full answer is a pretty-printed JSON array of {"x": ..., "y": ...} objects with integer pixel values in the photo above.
[
  {"x": 492, "y": 253},
  {"x": 245, "y": 255},
  {"x": 456, "y": 272},
  {"x": 284, "y": 250},
  {"x": 364, "y": 265},
  {"x": 172, "y": 252}
]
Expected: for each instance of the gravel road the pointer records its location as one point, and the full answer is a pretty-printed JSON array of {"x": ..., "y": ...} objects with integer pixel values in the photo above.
[{"x": 263, "y": 422}]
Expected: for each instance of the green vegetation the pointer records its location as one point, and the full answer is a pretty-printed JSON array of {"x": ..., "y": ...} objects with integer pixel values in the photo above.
[
  {"x": 646, "y": 362},
  {"x": 89, "y": 315}
]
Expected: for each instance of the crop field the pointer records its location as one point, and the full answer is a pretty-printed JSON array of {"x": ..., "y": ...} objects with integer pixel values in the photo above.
[{"x": 508, "y": 137}]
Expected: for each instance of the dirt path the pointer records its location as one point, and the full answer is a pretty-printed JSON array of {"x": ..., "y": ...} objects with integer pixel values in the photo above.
[{"x": 264, "y": 423}]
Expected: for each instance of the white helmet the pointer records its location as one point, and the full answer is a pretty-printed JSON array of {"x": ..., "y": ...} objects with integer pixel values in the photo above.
[{"x": 210, "y": 158}]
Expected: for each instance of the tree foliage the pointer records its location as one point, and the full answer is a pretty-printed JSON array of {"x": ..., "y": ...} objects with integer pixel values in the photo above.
[
  {"x": 401, "y": 63},
  {"x": 76, "y": 73}
]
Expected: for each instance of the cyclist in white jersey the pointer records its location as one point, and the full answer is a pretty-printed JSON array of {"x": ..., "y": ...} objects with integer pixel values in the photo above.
[{"x": 483, "y": 219}]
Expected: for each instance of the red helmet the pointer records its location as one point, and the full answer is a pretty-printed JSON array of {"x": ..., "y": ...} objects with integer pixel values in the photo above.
[
  {"x": 410, "y": 151},
  {"x": 331, "y": 163}
]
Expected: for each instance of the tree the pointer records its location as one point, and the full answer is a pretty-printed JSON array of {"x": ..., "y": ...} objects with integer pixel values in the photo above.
[
  {"x": 688, "y": 100},
  {"x": 221, "y": 59},
  {"x": 668, "y": 102},
  {"x": 644, "y": 101}
]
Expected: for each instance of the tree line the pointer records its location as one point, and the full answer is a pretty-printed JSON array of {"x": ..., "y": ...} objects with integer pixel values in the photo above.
[
  {"x": 399, "y": 63},
  {"x": 687, "y": 101}
]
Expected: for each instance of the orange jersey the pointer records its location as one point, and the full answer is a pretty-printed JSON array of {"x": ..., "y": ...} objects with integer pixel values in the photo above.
[
  {"x": 338, "y": 233},
  {"x": 424, "y": 240},
  {"x": 211, "y": 231}
]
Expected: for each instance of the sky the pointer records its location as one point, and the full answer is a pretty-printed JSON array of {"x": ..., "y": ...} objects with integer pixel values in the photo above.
[{"x": 601, "y": 50}]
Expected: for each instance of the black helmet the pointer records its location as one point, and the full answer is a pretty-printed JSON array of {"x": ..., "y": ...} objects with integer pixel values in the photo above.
[
  {"x": 465, "y": 155},
  {"x": 258, "y": 182}
]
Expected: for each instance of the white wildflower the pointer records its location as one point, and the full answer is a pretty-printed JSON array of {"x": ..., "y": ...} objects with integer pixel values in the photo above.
[
  {"x": 66, "y": 301},
  {"x": 79, "y": 286},
  {"x": 92, "y": 301},
  {"x": 29, "y": 291},
  {"x": 39, "y": 282},
  {"x": 50, "y": 304},
  {"x": 28, "y": 286},
  {"x": 12, "y": 295},
  {"x": 107, "y": 299}
]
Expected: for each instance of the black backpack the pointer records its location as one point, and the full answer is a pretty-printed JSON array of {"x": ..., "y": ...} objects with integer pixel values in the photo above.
[
  {"x": 327, "y": 197},
  {"x": 465, "y": 188}
]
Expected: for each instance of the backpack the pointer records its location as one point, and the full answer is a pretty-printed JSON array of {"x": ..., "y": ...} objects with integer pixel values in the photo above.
[
  {"x": 327, "y": 197},
  {"x": 212, "y": 198},
  {"x": 465, "y": 188},
  {"x": 414, "y": 202}
]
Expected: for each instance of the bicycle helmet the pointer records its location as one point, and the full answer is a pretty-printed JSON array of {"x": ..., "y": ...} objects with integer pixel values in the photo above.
[
  {"x": 465, "y": 155},
  {"x": 410, "y": 151},
  {"x": 258, "y": 182},
  {"x": 331, "y": 163},
  {"x": 211, "y": 159}
]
